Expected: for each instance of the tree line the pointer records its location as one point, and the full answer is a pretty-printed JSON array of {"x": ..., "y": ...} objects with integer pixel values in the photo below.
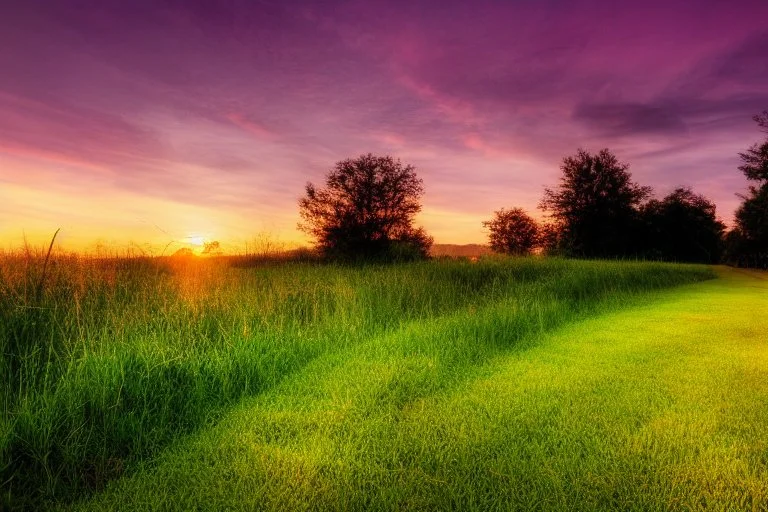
[{"x": 366, "y": 211}]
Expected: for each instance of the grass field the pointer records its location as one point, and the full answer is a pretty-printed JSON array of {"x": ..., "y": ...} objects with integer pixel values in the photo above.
[{"x": 506, "y": 384}]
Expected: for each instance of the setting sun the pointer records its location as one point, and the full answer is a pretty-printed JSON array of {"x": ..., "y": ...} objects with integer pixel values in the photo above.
[{"x": 196, "y": 240}]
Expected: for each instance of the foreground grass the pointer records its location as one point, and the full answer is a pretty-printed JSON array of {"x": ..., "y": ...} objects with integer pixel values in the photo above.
[
  {"x": 108, "y": 363},
  {"x": 662, "y": 405}
]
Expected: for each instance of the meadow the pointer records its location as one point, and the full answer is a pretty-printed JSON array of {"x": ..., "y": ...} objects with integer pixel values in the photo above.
[{"x": 507, "y": 383}]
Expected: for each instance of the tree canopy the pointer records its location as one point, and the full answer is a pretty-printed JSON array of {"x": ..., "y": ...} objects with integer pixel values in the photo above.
[
  {"x": 755, "y": 159},
  {"x": 512, "y": 231},
  {"x": 748, "y": 241},
  {"x": 683, "y": 227},
  {"x": 212, "y": 248},
  {"x": 366, "y": 211},
  {"x": 594, "y": 210}
]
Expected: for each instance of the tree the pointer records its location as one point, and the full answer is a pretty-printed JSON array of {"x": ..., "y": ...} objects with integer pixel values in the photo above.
[
  {"x": 755, "y": 159},
  {"x": 366, "y": 211},
  {"x": 683, "y": 227},
  {"x": 512, "y": 231},
  {"x": 211, "y": 248},
  {"x": 751, "y": 233},
  {"x": 184, "y": 252},
  {"x": 595, "y": 209},
  {"x": 748, "y": 241}
]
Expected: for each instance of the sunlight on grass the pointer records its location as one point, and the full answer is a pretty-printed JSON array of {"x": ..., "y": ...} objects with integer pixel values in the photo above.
[
  {"x": 509, "y": 383},
  {"x": 643, "y": 408}
]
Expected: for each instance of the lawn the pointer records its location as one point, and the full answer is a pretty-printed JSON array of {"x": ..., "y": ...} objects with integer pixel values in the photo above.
[{"x": 506, "y": 384}]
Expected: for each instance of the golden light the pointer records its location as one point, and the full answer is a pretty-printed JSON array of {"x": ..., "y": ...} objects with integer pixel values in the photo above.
[{"x": 196, "y": 240}]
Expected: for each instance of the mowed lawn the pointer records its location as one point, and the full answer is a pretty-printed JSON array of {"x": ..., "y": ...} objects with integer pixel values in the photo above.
[{"x": 659, "y": 404}]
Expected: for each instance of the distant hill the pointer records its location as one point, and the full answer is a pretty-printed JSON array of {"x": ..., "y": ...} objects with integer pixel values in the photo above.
[{"x": 460, "y": 251}]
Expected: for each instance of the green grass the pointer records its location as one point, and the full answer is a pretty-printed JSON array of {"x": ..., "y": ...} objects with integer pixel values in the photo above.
[
  {"x": 661, "y": 405},
  {"x": 517, "y": 383}
]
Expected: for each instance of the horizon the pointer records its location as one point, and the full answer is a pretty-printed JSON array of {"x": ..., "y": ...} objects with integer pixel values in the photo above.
[
  {"x": 136, "y": 125},
  {"x": 259, "y": 246}
]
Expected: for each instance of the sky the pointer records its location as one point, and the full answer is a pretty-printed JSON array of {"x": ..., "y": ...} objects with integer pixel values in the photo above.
[{"x": 161, "y": 124}]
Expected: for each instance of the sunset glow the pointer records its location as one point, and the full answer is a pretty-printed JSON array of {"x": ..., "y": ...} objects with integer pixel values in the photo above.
[
  {"x": 197, "y": 241},
  {"x": 154, "y": 124}
]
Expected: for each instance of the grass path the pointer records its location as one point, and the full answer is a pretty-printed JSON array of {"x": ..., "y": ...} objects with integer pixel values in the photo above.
[{"x": 660, "y": 406}]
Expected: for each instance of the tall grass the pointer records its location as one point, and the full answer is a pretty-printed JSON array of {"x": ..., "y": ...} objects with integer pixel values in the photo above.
[{"x": 105, "y": 361}]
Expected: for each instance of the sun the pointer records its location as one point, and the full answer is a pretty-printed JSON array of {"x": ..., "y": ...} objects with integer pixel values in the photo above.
[{"x": 196, "y": 240}]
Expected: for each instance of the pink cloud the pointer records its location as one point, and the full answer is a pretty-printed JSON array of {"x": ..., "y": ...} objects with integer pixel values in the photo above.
[
  {"x": 251, "y": 126},
  {"x": 77, "y": 135},
  {"x": 22, "y": 151},
  {"x": 391, "y": 139},
  {"x": 458, "y": 110},
  {"x": 476, "y": 142}
]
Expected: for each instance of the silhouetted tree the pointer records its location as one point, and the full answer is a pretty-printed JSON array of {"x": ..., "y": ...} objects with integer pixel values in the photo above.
[
  {"x": 683, "y": 227},
  {"x": 748, "y": 242},
  {"x": 755, "y": 159},
  {"x": 211, "y": 248},
  {"x": 594, "y": 211},
  {"x": 184, "y": 252},
  {"x": 512, "y": 231},
  {"x": 366, "y": 211}
]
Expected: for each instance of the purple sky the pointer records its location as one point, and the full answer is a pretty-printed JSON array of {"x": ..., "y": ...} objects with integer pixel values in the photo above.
[{"x": 152, "y": 121}]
